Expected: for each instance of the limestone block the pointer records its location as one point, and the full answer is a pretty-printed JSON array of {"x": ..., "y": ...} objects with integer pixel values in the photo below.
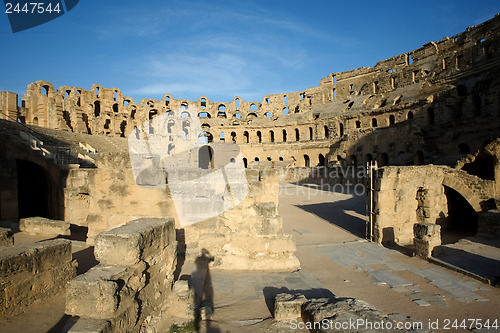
[
  {"x": 266, "y": 209},
  {"x": 272, "y": 226},
  {"x": 281, "y": 244},
  {"x": 95, "y": 294},
  {"x": 287, "y": 306},
  {"x": 137, "y": 240},
  {"x": 44, "y": 226},
  {"x": 35, "y": 256},
  {"x": 427, "y": 236},
  {"x": 6, "y": 238},
  {"x": 489, "y": 222},
  {"x": 426, "y": 230},
  {"x": 248, "y": 243}
]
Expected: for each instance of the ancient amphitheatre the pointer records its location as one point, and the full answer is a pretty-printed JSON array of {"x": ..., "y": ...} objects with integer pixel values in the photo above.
[{"x": 103, "y": 246}]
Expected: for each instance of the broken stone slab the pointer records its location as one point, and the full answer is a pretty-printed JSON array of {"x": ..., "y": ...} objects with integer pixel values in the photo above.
[
  {"x": 135, "y": 241},
  {"x": 343, "y": 310},
  {"x": 87, "y": 325},
  {"x": 6, "y": 238},
  {"x": 288, "y": 306},
  {"x": 43, "y": 226}
]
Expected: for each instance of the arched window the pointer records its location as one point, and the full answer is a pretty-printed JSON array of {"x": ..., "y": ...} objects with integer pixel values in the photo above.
[
  {"x": 307, "y": 161},
  {"x": 222, "y": 136},
  {"x": 321, "y": 160},
  {"x": 257, "y": 159},
  {"x": 268, "y": 114},
  {"x": 285, "y": 111},
  {"x": 245, "y": 162},
  {"x": 253, "y": 107},
  {"x": 233, "y": 137},
  {"x": 297, "y": 134},
  {"x": 284, "y": 135},
  {"x": 430, "y": 116},
  {"x": 237, "y": 115},
  {"x": 246, "y": 137},
  {"x": 384, "y": 159},
  {"x": 281, "y": 158},
  {"x": 409, "y": 116},
  {"x": 392, "y": 120},
  {"x": 222, "y": 107},
  {"x": 221, "y": 114},
  {"x": 310, "y": 133},
  {"x": 259, "y": 136},
  {"x": 237, "y": 103},
  {"x": 374, "y": 122},
  {"x": 327, "y": 132},
  {"x": 271, "y": 135},
  {"x": 97, "y": 108},
  {"x": 341, "y": 129},
  {"x": 185, "y": 114},
  {"x": 358, "y": 124},
  {"x": 170, "y": 126},
  {"x": 115, "y": 107},
  {"x": 167, "y": 100},
  {"x": 203, "y": 102}
]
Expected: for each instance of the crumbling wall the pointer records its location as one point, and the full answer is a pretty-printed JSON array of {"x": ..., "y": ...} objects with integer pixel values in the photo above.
[
  {"x": 404, "y": 196},
  {"x": 249, "y": 236},
  {"x": 132, "y": 282},
  {"x": 33, "y": 272}
]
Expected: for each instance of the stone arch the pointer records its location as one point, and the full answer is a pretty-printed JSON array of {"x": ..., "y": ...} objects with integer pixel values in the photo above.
[{"x": 454, "y": 182}]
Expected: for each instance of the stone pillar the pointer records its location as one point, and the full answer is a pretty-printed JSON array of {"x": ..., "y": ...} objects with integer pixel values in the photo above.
[{"x": 426, "y": 237}]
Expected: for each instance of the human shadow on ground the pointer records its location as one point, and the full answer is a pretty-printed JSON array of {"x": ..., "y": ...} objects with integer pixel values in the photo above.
[
  {"x": 271, "y": 292},
  {"x": 202, "y": 284},
  {"x": 336, "y": 213}
]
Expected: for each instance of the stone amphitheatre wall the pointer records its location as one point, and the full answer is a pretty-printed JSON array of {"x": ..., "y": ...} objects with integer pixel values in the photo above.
[{"x": 395, "y": 112}]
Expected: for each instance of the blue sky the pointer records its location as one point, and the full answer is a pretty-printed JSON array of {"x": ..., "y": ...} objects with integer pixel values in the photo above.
[{"x": 222, "y": 48}]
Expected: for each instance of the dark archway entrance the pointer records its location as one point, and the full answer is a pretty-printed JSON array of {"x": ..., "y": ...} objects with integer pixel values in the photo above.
[
  {"x": 33, "y": 190},
  {"x": 462, "y": 219}
]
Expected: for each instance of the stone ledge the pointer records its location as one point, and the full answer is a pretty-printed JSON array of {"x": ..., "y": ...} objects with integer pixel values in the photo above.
[{"x": 44, "y": 226}]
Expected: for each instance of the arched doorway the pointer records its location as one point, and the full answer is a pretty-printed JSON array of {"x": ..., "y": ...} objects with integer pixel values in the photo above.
[
  {"x": 33, "y": 190},
  {"x": 462, "y": 219}
]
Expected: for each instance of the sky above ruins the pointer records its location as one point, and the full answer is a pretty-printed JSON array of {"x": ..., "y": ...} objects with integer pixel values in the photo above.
[{"x": 222, "y": 49}]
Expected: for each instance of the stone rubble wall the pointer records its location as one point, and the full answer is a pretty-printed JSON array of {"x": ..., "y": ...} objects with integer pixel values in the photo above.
[
  {"x": 249, "y": 236},
  {"x": 132, "y": 282},
  {"x": 32, "y": 273}
]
